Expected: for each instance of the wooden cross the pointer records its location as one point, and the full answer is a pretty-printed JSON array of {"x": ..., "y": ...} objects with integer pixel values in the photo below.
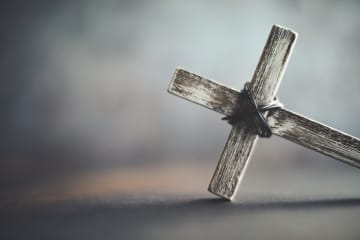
[{"x": 282, "y": 122}]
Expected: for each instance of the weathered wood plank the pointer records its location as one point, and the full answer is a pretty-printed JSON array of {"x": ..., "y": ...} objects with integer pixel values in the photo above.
[
  {"x": 204, "y": 92},
  {"x": 316, "y": 136},
  {"x": 264, "y": 85},
  {"x": 272, "y": 64},
  {"x": 283, "y": 123}
]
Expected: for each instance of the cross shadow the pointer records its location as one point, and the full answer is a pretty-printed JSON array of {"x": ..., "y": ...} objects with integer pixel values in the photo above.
[
  {"x": 289, "y": 204},
  {"x": 165, "y": 207},
  {"x": 119, "y": 217}
]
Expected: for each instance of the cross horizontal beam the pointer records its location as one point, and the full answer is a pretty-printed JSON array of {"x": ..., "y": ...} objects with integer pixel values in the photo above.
[{"x": 284, "y": 123}]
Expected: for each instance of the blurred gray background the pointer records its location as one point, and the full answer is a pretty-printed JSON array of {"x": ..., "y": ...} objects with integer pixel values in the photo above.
[{"x": 83, "y": 87}]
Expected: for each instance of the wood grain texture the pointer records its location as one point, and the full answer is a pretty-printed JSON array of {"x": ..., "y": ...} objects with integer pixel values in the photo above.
[
  {"x": 272, "y": 64},
  {"x": 264, "y": 84},
  {"x": 204, "y": 92},
  {"x": 316, "y": 136}
]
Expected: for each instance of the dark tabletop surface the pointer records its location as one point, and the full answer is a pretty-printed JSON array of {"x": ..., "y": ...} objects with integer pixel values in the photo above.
[
  {"x": 171, "y": 202},
  {"x": 186, "y": 218}
]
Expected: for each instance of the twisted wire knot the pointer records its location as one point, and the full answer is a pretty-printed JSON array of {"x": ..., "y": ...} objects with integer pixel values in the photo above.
[{"x": 254, "y": 115}]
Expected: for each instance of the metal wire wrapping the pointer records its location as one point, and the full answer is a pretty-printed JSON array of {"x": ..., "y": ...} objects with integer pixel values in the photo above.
[{"x": 254, "y": 115}]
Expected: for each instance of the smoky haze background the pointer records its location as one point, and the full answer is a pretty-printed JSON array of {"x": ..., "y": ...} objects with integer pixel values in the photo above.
[{"x": 83, "y": 83}]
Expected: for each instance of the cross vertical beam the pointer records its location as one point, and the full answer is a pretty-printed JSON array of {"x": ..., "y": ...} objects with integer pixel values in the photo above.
[{"x": 264, "y": 84}]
